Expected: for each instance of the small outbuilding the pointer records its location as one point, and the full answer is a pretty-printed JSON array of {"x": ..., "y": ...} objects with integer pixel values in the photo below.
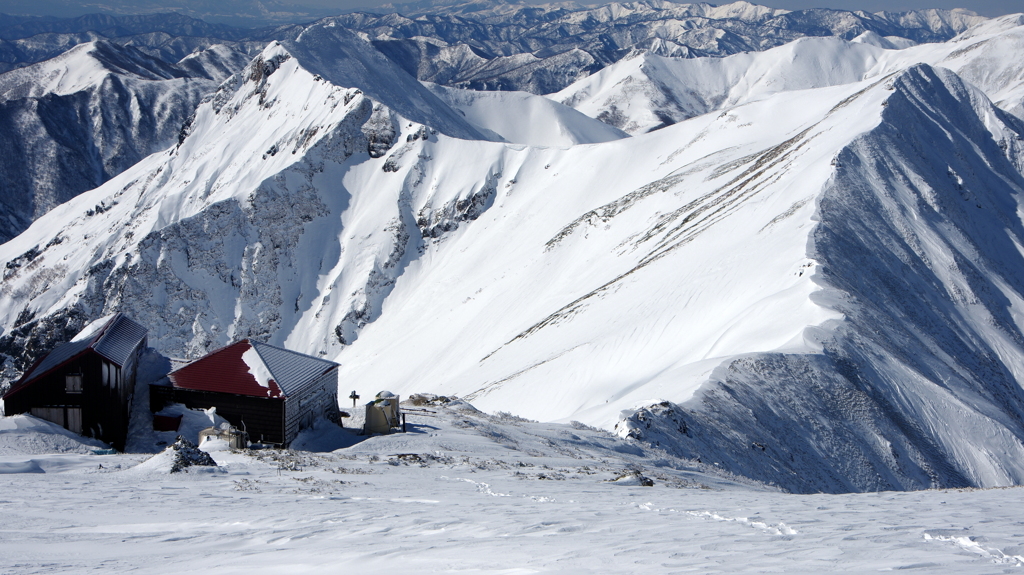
[
  {"x": 384, "y": 414},
  {"x": 85, "y": 385},
  {"x": 267, "y": 391}
]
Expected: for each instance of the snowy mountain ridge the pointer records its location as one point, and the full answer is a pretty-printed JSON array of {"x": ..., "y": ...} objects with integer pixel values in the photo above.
[
  {"x": 648, "y": 91},
  {"x": 815, "y": 286},
  {"x": 262, "y": 120},
  {"x": 72, "y": 122},
  {"x": 491, "y": 45}
]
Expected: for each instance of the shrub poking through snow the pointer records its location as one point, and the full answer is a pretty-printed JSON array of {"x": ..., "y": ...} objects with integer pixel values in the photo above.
[
  {"x": 186, "y": 454},
  {"x": 421, "y": 399},
  {"x": 633, "y": 477}
]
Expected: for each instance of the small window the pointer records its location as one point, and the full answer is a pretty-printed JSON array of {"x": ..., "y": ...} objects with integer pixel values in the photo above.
[{"x": 73, "y": 383}]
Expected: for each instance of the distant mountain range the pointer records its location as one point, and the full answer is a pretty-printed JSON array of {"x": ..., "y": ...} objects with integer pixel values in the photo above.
[
  {"x": 70, "y": 123},
  {"x": 504, "y": 46},
  {"x": 479, "y": 46},
  {"x": 802, "y": 262}
]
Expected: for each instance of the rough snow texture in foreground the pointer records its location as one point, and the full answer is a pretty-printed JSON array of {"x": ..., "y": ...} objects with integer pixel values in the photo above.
[{"x": 468, "y": 492}]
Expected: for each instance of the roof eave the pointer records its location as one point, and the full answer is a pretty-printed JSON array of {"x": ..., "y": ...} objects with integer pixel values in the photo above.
[{"x": 23, "y": 384}]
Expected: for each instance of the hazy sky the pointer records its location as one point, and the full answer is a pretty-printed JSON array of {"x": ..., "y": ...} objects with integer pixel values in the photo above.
[
  {"x": 984, "y": 7},
  {"x": 198, "y": 7}
]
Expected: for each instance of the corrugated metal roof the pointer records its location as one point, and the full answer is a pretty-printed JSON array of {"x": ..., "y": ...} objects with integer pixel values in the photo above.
[
  {"x": 291, "y": 370},
  {"x": 225, "y": 371},
  {"x": 119, "y": 338},
  {"x": 114, "y": 340},
  {"x": 60, "y": 355}
]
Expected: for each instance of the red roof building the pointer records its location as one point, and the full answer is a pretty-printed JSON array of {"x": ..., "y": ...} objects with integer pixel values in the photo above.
[{"x": 270, "y": 392}]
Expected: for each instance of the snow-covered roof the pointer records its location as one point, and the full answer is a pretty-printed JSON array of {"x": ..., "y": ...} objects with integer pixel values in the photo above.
[
  {"x": 251, "y": 368},
  {"x": 114, "y": 339}
]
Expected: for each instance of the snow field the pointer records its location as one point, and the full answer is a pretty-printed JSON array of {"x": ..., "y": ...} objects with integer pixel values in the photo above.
[{"x": 472, "y": 493}]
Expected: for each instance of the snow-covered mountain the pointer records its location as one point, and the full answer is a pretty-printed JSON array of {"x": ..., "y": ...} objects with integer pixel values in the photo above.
[
  {"x": 170, "y": 37},
  {"x": 494, "y": 44},
  {"x": 816, "y": 284},
  {"x": 647, "y": 92},
  {"x": 524, "y": 118},
  {"x": 543, "y": 49},
  {"x": 71, "y": 123}
]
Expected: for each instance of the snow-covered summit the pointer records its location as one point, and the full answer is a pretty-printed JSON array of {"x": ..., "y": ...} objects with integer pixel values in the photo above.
[
  {"x": 257, "y": 149},
  {"x": 82, "y": 67},
  {"x": 648, "y": 92},
  {"x": 73, "y": 122},
  {"x": 339, "y": 56}
]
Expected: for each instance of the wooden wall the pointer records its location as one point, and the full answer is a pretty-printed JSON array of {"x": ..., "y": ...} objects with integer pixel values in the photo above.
[
  {"x": 102, "y": 408},
  {"x": 262, "y": 418}
]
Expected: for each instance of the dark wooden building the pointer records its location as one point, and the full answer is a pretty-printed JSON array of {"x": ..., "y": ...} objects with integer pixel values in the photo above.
[
  {"x": 85, "y": 385},
  {"x": 270, "y": 392}
]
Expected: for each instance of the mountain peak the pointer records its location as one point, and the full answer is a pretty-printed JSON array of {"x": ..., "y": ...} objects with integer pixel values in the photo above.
[
  {"x": 341, "y": 57},
  {"x": 83, "y": 66}
]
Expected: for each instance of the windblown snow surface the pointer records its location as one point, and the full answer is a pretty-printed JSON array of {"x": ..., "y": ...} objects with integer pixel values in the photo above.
[
  {"x": 818, "y": 285},
  {"x": 536, "y": 121},
  {"x": 468, "y": 492}
]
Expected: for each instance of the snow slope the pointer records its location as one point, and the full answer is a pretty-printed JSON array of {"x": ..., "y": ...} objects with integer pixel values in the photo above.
[
  {"x": 523, "y": 118},
  {"x": 816, "y": 288},
  {"x": 647, "y": 92}
]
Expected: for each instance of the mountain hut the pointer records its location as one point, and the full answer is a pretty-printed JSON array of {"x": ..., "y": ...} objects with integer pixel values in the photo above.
[
  {"x": 269, "y": 392},
  {"x": 85, "y": 385}
]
